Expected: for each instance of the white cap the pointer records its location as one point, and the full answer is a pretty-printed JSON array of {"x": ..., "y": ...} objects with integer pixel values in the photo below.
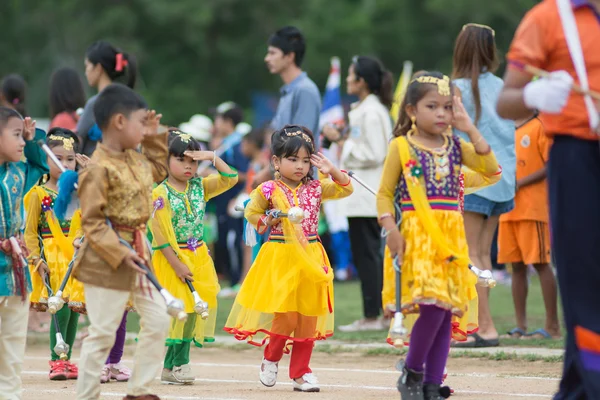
[
  {"x": 244, "y": 128},
  {"x": 199, "y": 126}
]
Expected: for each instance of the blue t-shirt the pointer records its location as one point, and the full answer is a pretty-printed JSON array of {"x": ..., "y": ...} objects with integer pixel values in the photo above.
[{"x": 235, "y": 159}]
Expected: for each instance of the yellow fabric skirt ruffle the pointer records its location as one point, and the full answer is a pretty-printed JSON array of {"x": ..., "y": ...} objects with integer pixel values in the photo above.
[
  {"x": 58, "y": 264},
  {"x": 427, "y": 279},
  {"x": 206, "y": 284},
  {"x": 284, "y": 295}
]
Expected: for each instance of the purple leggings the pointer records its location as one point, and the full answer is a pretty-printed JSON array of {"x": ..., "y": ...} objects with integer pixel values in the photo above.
[
  {"x": 117, "y": 350},
  {"x": 429, "y": 343}
]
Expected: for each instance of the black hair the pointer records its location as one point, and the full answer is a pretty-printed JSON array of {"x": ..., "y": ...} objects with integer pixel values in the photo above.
[
  {"x": 66, "y": 91},
  {"x": 414, "y": 93},
  {"x": 63, "y": 133},
  {"x": 13, "y": 89},
  {"x": 180, "y": 142},
  {"x": 116, "y": 99},
  {"x": 379, "y": 80},
  {"x": 114, "y": 61},
  {"x": 289, "y": 39},
  {"x": 7, "y": 113},
  {"x": 256, "y": 136},
  {"x": 288, "y": 141},
  {"x": 234, "y": 114}
]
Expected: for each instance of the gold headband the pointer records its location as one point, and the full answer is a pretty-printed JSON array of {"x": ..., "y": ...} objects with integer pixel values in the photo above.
[
  {"x": 443, "y": 84},
  {"x": 479, "y": 26},
  {"x": 67, "y": 142},
  {"x": 305, "y": 137}
]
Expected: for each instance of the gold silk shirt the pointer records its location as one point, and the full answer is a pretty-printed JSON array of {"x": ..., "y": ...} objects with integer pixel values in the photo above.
[{"x": 118, "y": 187}]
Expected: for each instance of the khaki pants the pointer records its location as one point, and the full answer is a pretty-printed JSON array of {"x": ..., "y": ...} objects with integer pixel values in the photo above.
[
  {"x": 14, "y": 314},
  {"x": 105, "y": 310}
]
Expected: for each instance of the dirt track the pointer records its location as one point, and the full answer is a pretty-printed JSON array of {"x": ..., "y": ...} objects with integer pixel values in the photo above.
[{"x": 228, "y": 374}]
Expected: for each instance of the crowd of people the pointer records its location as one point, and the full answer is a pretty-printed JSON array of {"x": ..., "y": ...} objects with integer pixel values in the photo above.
[{"x": 472, "y": 159}]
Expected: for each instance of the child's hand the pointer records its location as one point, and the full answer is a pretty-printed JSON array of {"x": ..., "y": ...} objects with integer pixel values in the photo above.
[
  {"x": 43, "y": 269},
  {"x": 153, "y": 123},
  {"x": 322, "y": 163},
  {"x": 77, "y": 243},
  {"x": 82, "y": 160},
  {"x": 183, "y": 272},
  {"x": 28, "y": 129},
  {"x": 395, "y": 242},
  {"x": 200, "y": 155},
  {"x": 270, "y": 221},
  {"x": 461, "y": 119},
  {"x": 130, "y": 261}
]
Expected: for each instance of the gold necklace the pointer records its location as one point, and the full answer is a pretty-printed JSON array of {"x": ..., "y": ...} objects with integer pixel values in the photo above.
[{"x": 440, "y": 157}]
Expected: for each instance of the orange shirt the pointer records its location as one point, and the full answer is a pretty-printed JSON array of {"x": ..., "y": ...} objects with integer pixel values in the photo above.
[
  {"x": 540, "y": 42},
  {"x": 531, "y": 201}
]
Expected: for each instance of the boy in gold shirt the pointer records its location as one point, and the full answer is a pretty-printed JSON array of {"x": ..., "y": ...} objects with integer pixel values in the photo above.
[{"x": 117, "y": 186}]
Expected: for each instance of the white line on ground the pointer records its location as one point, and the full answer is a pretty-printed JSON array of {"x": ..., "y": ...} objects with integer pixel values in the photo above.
[
  {"x": 356, "y": 370},
  {"x": 115, "y": 394},
  {"x": 362, "y": 387}
]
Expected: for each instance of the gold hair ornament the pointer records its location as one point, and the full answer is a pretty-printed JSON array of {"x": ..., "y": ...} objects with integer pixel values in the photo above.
[
  {"x": 66, "y": 141},
  {"x": 443, "y": 84},
  {"x": 304, "y": 136}
]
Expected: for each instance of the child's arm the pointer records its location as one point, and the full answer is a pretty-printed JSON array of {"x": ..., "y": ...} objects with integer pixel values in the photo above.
[
  {"x": 254, "y": 212},
  {"x": 215, "y": 184},
  {"x": 543, "y": 144},
  {"x": 340, "y": 184},
  {"x": 182, "y": 271},
  {"x": 155, "y": 148},
  {"x": 36, "y": 165},
  {"x": 33, "y": 205},
  {"x": 93, "y": 188},
  {"x": 475, "y": 181}
]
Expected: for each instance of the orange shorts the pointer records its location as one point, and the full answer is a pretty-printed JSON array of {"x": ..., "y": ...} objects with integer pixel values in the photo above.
[{"x": 524, "y": 241}]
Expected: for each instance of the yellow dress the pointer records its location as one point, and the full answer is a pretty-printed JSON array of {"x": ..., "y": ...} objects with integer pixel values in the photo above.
[
  {"x": 56, "y": 237},
  {"x": 429, "y": 275},
  {"x": 288, "y": 291},
  {"x": 178, "y": 222}
]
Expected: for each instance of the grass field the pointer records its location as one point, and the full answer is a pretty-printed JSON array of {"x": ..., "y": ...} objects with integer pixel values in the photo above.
[{"x": 348, "y": 307}]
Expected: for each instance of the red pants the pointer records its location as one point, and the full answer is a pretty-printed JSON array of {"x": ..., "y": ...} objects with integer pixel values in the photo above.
[
  {"x": 301, "y": 353},
  {"x": 303, "y": 328}
]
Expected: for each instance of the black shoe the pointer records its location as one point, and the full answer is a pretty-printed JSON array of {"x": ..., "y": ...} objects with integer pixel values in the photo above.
[
  {"x": 410, "y": 383},
  {"x": 431, "y": 391}
]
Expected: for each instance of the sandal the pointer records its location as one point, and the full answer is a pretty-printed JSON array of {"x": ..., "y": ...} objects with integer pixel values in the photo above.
[
  {"x": 515, "y": 333},
  {"x": 479, "y": 342},
  {"x": 537, "y": 334}
]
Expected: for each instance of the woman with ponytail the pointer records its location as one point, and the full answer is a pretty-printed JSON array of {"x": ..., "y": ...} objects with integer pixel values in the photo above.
[
  {"x": 104, "y": 64},
  {"x": 363, "y": 151}
]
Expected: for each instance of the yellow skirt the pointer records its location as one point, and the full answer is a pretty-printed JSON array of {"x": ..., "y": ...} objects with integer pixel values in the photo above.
[
  {"x": 58, "y": 265},
  {"x": 284, "y": 295},
  {"x": 206, "y": 284},
  {"x": 427, "y": 279}
]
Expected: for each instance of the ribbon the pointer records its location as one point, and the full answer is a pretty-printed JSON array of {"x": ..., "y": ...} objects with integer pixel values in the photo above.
[{"x": 120, "y": 62}]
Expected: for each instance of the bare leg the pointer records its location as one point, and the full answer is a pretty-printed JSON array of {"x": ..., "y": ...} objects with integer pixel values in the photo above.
[
  {"x": 487, "y": 330},
  {"x": 519, "y": 293},
  {"x": 548, "y": 283}
]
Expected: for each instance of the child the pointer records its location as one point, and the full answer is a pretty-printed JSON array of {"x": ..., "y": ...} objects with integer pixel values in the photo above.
[
  {"x": 177, "y": 229},
  {"x": 18, "y": 137},
  {"x": 45, "y": 232},
  {"x": 288, "y": 293},
  {"x": 524, "y": 236},
  {"x": 116, "y": 187},
  {"x": 424, "y": 161}
]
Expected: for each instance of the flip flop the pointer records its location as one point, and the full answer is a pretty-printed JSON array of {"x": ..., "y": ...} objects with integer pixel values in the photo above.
[
  {"x": 542, "y": 332},
  {"x": 512, "y": 334},
  {"x": 479, "y": 342}
]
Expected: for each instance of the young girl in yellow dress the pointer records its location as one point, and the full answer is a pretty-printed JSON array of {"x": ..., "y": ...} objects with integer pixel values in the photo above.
[
  {"x": 287, "y": 295},
  {"x": 44, "y": 230},
  {"x": 179, "y": 250},
  {"x": 425, "y": 161}
]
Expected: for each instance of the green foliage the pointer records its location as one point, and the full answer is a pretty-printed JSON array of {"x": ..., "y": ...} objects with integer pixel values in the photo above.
[{"x": 194, "y": 54}]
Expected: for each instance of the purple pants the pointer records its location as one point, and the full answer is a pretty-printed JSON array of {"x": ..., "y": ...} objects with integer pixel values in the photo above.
[
  {"x": 429, "y": 343},
  {"x": 117, "y": 350}
]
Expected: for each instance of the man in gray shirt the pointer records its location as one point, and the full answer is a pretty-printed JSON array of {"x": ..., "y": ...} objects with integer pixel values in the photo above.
[{"x": 300, "y": 101}]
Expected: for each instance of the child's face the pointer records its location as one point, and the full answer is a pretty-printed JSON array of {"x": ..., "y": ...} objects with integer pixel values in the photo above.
[
  {"x": 248, "y": 148},
  {"x": 132, "y": 129},
  {"x": 433, "y": 113},
  {"x": 66, "y": 158},
  {"x": 295, "y": 167},
  {"x": 182, "y": 168},
  {"x": 11, "y": 141}
]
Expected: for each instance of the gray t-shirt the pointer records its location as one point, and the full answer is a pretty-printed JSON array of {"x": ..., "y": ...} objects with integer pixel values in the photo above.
[
  {"x": 85, "y": 123},
  {"x": 300, "y": 104}
]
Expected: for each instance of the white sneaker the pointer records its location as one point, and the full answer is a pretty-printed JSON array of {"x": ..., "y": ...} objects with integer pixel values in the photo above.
[
  {"x": 227, "y": 293},
  {"x": 341, "y": 274},
  {"x": 364, "y": 325},
  {"x": 310, "y": 384},
  {"x": 268, "y": 373}
]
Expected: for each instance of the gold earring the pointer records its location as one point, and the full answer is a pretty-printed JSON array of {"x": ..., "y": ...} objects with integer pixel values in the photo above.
[
  {"x": 413, "y": 127},
  {"x": 277, "y": 174}
]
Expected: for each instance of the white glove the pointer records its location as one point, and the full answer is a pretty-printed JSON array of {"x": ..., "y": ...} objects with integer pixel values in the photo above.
[{"x": 549, "y": 94}]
